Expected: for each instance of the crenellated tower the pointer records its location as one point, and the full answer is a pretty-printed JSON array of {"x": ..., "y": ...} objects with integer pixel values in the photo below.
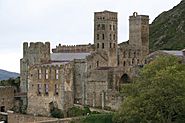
[{"x": 105, "y": 35}]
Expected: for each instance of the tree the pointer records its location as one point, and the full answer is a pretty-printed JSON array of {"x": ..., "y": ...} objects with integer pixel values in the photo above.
[{"x": 157, "y": 95}]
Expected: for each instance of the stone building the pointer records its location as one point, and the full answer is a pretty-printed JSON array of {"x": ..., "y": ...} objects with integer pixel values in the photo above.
[
  {"x": 89, "y": 74},
  {"x": 6, "y": 98}
]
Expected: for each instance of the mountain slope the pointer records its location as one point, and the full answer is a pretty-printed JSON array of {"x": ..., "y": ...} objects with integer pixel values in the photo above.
[
  {"x": 167, "y": 31},
  {"x": 4, "y": 75}
]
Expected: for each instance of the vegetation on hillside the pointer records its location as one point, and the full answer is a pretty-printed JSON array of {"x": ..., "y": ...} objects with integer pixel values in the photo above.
[
  {"x": 167, "y": 31},
  {"x": 157, "y": 95}
]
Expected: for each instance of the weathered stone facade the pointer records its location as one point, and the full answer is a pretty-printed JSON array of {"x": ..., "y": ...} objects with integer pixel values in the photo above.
[{"x": 84, "y": 74}]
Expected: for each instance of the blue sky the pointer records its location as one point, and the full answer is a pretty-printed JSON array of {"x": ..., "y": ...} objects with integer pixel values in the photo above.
[{"x": 62, "y": 21}]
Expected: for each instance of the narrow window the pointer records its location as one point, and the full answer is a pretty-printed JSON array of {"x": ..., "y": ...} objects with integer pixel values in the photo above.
[
  {"x": 47, "y": 71},
  {"x": 110, "y": 27},
  {"x": 138, "y": 61},
  {"x": 103, "y": 36},
  {"x": 97, "y": 63},
  {"x": 56, "y": 89},
  {"x": 114, "y": 28},
  {"x": 46, "y": 89},
  {"x": 97, "y": 37},
  {"x": 114, "y": 37},
  {"x": 110, "y": 36},
  {"x": 102, "y": 45},
  {"x": 124, "y": 63},
  {"x": 39, "y": 74},
  {"x": 39, "y": 89},
  {"x": 56, "y": 74},
  {"x": 97, "y": 45}
]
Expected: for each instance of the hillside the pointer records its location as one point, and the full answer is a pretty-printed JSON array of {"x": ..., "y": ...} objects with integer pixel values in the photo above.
[
  {"x": 167, "y": 31},
  {"x": 4, "y": 75}
]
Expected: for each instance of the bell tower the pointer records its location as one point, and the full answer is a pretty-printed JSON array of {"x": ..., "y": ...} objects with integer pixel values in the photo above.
[
  {"x": 139, "y": 32},
  {"x": 106, "y": 35}
]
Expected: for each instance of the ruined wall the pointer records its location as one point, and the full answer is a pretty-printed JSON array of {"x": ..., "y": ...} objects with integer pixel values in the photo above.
[
  {"x": 50, "y": 84},
  {"x": 73, "y": 48},
  {"x": 6, "y": 98}
]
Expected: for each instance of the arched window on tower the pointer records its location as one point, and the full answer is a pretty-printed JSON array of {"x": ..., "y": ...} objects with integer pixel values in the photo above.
[
  {"x": 110, "y": 36},
  {"x": 110, "y": 45},
  {"x": 110, "y": 27},
  {"x": 102, "y": 45},
  {"x": 114, "y": 37},
  {"x": 103, "y": 36},
  {"x": 114, "y": 27},
  {"x": 124, "y": 63},
  {"x": 97, "y": 64},
  {"x": 97, "y": 45},
  {"x": 97, "y": 36}
]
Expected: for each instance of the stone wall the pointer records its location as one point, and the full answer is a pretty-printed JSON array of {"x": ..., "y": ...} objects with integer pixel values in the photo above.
[
  {"x": 6, "y": 98},
  {"x": 21, "y": 118},
  {"x": 80, "y": 72}
]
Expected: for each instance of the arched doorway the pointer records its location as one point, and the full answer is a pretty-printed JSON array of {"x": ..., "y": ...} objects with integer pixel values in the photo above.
[{"x": 125, "y": 79}]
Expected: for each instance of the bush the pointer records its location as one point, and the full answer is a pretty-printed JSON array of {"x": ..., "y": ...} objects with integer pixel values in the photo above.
[{"x": 57, "y": 113}]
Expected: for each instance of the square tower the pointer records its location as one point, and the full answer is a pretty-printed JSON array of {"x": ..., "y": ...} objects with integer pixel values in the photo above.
[
  {"x": 139, "y": 31},
  {"x": 105, "y": 30}
]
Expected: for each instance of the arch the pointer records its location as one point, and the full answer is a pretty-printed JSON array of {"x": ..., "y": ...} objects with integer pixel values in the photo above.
[
  {"x": 124, "y": 79},
  {"x": 135, "y": 14}
]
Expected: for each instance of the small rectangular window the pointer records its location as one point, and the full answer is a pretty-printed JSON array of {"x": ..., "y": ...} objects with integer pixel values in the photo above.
[
  {"x": 39, "y": 89},
  {"x": 46, "y": 89}
]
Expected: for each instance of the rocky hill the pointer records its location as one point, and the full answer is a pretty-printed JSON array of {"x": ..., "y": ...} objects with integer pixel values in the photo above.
[
  {"x": 4, "y": 75},
  {"x": 167, "y": 31}
]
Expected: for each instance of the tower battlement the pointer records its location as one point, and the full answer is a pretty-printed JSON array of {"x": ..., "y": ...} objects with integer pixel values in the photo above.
[{"x": 73, "y": 48}]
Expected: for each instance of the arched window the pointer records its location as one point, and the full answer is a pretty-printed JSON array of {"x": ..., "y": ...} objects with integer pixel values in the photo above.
[{"x": 114, "y": 27}]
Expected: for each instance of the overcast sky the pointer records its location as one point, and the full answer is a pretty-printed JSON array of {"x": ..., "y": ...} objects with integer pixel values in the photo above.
[{"x": 62, "y": 21}]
